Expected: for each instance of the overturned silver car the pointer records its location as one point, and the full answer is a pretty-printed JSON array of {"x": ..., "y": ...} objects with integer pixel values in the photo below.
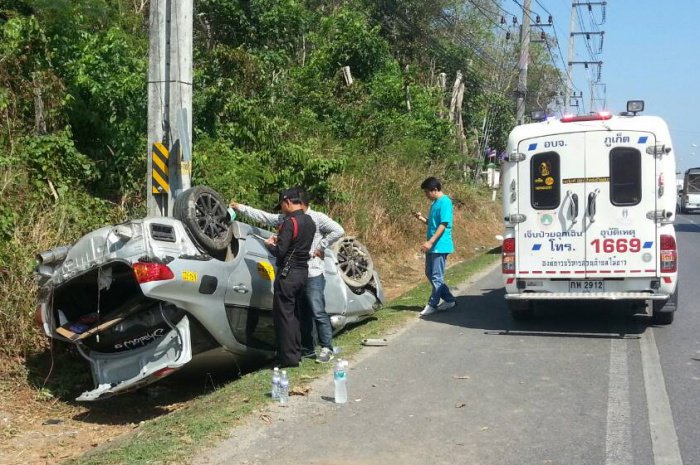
[{"x": 143, "y": 298}]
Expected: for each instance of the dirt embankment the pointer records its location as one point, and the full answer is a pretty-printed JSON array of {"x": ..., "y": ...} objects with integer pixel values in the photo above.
[{"x": 40, "y": 422}]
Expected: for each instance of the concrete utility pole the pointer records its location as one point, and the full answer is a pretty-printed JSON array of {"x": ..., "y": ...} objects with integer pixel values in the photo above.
[
  {"x": 570, "y": 59},
  {"x": 523, "y": 62},
  {"x": 169, "y": 103},
  {"x": 572, "y": 51}
]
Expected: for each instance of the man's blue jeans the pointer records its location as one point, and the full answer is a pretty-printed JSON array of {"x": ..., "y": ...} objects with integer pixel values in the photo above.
[
  {"x": 314, "y": 311},
  {"x": 435, "y": 271}
]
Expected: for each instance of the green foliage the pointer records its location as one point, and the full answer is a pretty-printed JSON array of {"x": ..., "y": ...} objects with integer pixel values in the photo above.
[
  {"x": 54, "y": 158},
  {"x": 8, "y": 219},
  {"x": 348, "y": 39},
  {"x": 107, "y": 105}
]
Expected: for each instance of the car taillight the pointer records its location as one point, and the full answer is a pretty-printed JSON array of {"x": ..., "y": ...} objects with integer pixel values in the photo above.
[
  {"x": 669, "y": 254},
  {"x": 163, "y": 372},
  {"x": 508, "y": 257},
  {"x": 146, "y": 272}
]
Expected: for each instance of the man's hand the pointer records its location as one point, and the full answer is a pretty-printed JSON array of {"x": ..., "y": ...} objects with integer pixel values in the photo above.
[
  {"x": 271, "y": 241},
  {"x": 419, "y": 216},
  {"x": 427, "y": 245},
  {"x": 319, "y": 253},
  {"x": 233, "y": 204}
]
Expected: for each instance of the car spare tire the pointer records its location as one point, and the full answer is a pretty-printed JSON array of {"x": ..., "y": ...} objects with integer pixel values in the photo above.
[
  {"x": 203, "y": 212},
  {"x": 354, "y": 262}
]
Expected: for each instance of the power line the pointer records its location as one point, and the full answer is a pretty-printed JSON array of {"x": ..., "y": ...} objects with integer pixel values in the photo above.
[
  {"x": 500, "y": 7},
  {"x": 485, "y": 15}
]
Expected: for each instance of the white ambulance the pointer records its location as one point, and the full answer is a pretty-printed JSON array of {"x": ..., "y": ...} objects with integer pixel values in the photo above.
[{"x": 589, "y": 204}]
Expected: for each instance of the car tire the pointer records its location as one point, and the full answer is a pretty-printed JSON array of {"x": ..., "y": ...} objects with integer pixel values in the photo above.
[
  {"x": 203, "y": 212},
  {"x": 521, "y": 310},
  {"x": 354, "y": 262},
  {"x": 663, "y": 311}
]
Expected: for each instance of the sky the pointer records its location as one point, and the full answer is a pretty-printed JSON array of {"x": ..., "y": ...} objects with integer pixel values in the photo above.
[{"x": 651, "y": 52}]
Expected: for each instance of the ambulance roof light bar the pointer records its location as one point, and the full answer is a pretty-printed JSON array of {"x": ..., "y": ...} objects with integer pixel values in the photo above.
[{"x": 599, "y": 116}]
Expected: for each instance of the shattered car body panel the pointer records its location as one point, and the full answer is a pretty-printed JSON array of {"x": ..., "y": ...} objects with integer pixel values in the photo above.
[{"x": 141, "y": 299}]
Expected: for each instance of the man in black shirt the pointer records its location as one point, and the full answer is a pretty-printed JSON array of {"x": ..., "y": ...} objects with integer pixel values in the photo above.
[{"x": 291, "y": 249}]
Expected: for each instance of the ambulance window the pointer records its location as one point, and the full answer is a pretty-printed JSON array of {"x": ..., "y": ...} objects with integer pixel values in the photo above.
[
  {"x": 544, "y": 180},
  {"x": 625, "y": 176}
]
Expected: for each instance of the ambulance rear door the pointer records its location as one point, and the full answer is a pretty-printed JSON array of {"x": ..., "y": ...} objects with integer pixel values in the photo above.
[
  {"x": 622, "y": 185},
  {"x": 550, "y": 235}
]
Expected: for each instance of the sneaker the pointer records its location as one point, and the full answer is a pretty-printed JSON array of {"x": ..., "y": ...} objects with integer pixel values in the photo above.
[
  {"x": 308, "y": 355},
  {"x": 446, "y": 305},
  {"x": 428, "y": 310},
  {"x": 325, "y": 356}
]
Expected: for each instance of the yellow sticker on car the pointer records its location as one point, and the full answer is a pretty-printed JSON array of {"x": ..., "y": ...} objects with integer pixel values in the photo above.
[
  {"x": 189, "y": 276},
  {"x": 266, "y": 271}
]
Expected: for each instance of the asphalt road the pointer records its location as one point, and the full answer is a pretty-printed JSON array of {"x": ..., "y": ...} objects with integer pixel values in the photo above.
[{"x": 580, "y": 384}]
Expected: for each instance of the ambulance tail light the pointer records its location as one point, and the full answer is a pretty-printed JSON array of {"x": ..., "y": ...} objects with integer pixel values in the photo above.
[
  {"x": 600, "y": 116},
  {"x": 669, "y": 254},
  {"x": 508, "y": 256}
]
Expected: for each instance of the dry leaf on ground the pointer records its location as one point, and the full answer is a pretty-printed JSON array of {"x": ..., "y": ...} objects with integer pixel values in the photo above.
[{"x": 302, "y": 390}]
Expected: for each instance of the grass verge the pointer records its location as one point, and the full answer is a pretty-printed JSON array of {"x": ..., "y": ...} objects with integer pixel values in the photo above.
[{"x": 176, "y": 437}]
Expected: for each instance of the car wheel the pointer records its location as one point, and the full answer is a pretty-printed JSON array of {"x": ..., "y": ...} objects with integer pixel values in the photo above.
[
  {"x": 203, "y": 212},
  {"x": 663, "y": 311},
  {"x": 354, "y": 262},
  {"x": 521, "y": 309}
]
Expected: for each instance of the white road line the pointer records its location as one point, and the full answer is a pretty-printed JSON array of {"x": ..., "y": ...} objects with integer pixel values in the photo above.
[
  {"x": 693, "y": 222},
  {"x": 618, "y": 441},
  {"x": 664, "y": 440}
]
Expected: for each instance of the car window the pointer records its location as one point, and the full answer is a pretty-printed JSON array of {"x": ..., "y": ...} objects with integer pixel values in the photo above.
[
  {"x": 545, "y": 181},
  {"x": 694, "y": 183},
  {"x": 625, "y": 176}
]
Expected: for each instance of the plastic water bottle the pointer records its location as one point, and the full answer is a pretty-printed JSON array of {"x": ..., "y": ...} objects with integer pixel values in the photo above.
[
  {"x": 340, "y": 376},
  {"x": 231, "y": 214},
  {"x": 275, "y": 392},
  {"x": 284, "y": 388}
]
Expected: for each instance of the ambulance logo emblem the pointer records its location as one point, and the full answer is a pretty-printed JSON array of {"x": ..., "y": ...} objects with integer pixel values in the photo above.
[
  {"x": 546, "y": 219},
  {"x": 545, "y": 168}
]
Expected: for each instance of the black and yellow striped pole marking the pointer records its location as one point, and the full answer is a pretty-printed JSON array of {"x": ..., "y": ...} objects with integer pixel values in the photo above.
[{"x": 160, "y": 173}]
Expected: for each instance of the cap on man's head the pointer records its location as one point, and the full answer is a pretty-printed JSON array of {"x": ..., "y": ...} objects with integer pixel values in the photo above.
[{"x": 289, "y": 194}]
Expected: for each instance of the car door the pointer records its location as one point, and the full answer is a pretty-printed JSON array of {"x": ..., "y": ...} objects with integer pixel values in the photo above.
[
  {"x": 550, "y": 238},
  {"x": 622, "y": 186},
  {"x": 249, "y": 292}
]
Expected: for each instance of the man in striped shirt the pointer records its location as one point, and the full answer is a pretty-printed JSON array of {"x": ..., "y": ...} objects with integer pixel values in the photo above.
[{"x": 327, "y": 233}]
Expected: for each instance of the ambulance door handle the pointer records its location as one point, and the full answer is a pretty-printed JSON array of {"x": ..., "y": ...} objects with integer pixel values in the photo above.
[
  {"x": 591, "y": 205},
  {"x": 573, "y": 208}
]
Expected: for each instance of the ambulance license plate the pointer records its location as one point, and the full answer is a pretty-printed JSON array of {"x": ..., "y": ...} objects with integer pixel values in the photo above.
[{"x": 587, "y": 286}]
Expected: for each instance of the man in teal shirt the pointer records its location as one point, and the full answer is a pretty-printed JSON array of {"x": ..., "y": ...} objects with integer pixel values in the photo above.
[{"x": 438, "y": 245}]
